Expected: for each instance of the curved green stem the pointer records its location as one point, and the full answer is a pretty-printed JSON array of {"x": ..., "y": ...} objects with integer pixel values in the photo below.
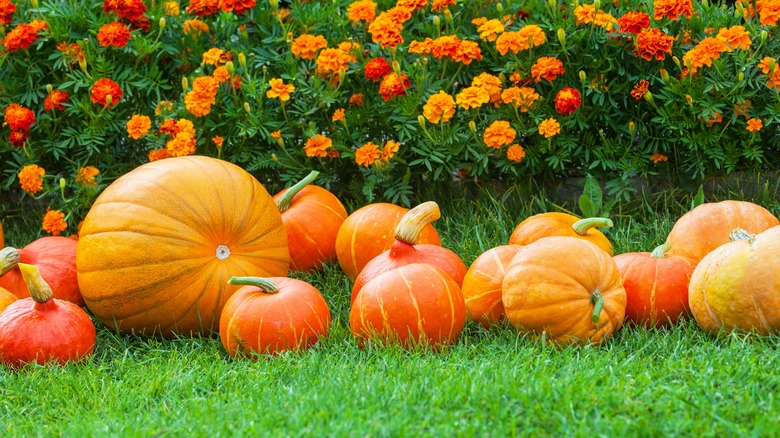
[
  {"x": 9, "y": 260},
  {"x": 415, "y": 220},
  {"x": 264, "y": 284},
  {"x": 582, "y": 226},
  {"x": 661, "y": 250},
  {"x": 40, "y": 291},
  {"x": 598, "y": 304},
  {"x": 741, "y": 234},
  {"x": 286, "y": 198}
]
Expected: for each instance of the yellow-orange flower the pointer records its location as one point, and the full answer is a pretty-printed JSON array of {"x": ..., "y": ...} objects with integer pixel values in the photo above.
[
  {"x": 356, "y": 99},
  {"x": 194, "y": 28},
  {"x": 54, "y": 222},
  {"x": 741, "y": 109},
  {"x": 768, "y": 11},
  {"x": 158, "y": 154},
  {"x": 438, "y": 5},
  {"x": 181, "y": 145},
  {"x": 472, "y": 97},
  {"x": 113, "y": 34},
  {"x": 306, "y": 46},
  {"x": 389, "y": 150},
  {"x": 498, "y": 134},
  {"x": 587, "y": 14},
  {"x": 489, "y": 30},
  {"x": 212, "y": 56},
  {"x": 394, "y": 85},
  {"x": 549, "y": 127},
  {"x": 467, "y": 51},
  {"x": 202, "y": 96},
  {"x": 218, "y": 141},
  {"x": 704, "y": 53},
  {"x": 362, "y": 10},
  {"x": 279, "y": 90},
  {"x": 164, "y": 106},
  {"x": 657, "y": 158},
  {"x": 527, "y": 37},
  {"x": 515, "y": 153},
  {"x": 367, "y": 154},
  {"x": 491, "y": 84},
  {"x": 171, "y": 9},
  {"x": 446, "y": 45},
  {"x": 672, "y": 9},
  {"x": 333, "y": 61},
  {"x": 640, "y": 88},
  {"x": 138, "y": 126},
  {"x": 221, "y": 74},
  {"x": 421, "y": 47},
  {"x": 522, "y": 97},
  {"x": 338, "y": 115},
  {"x": 653, "y": 43},
  {"x": 30, "y": 178},
  {"x": 439, "y": 107},
  {"x": 276, "y": 135},
  {"x": 736, "y": 37},
  {"x": 86, "y": 176},
  {"x": 386, "y": 31},
  {"x": 546, "y": 67},
  {"x": 754, "y": 125},
  {"x": 318, "y": 146}
]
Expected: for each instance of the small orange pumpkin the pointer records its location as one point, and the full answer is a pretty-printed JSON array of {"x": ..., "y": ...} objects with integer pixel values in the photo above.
[
  {"x": 6, "y": 298},
  {"x": 482, "y": 284},
  {"x": 561, "y": 224},
  {"x": 566, "y": 290}
]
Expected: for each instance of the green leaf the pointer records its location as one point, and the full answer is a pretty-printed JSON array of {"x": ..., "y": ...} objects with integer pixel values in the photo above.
[
  {"x": 590, "y": 200},
  {"x": 698, "y": 199}
]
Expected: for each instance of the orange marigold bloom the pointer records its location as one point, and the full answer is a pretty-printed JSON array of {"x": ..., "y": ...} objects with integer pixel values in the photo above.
[
  {"x": 472, "y": 97},
  {"x": 498, "y": 134},
  {"x": 633, "y": 22},
  {"x": 113, "y": 34},
  {"x": 523, "y": 97},
  {"x": 394, "y": 85},
  {"x": 489, "y": 30},
  {"x": 587, "y": 14},
  {"x": 467, "y": 51},
  {"x": 438, "y": 5},
  {"x": 18, "y": 117},
  {"x": 657, "y": 158},
  {"x": 672, "y": 9},
  {"x": 754, "y": 125},
  {"x": 6, "y": 10},
  {"x": 338, "y": 115},
  {"x": 171, "y": 9},
  {"x": 399, "y": 13},
  {"x": 54, "y": 222},
  {"x": 158, "y": 154},
  {"x": 55, "y": 100},
  {"x": 212, "y": 56},
  {"x": 712, "y": 119},
  {"x": 71, "y": 53},
  {"x": 768, "y": 11},
  {"x": 653, "y": 43},
  {"x": 30, "y": 178},
  {"x": 439, "y": 107},
  {"x": 549, "y": 127},
  {"x": 389, "y": 150},
  {"x": 546, "y": 67},
  {"x": 306, "y": 46},
  {"x": 520, "y": 40},
  {"x": 421, "y": 47},
  {"x": 567, "y": 101},
  {"x": 333, "y": 61},
  {"x": 704, "y": 53},
  {"x": 479, "y": 21},
  {"x": 446, "y": 45},
  {"x": 736, "y": 37},
  {"x": 276, "y": 135},
  {"x": 203, "y": 7},
  {"x": 218, "y": 141},
  {"x": 138, "y": 126},
  {"x": 362, "y": 10},
  {"x": 356, "y": 99},
  {"x": 103, "y": 88},
  {"x": 203, "y": 94},
  {"x": 386, "y": 31},
  {"x": 318, "y": 146},
  {"x": 377, "y": 68},
  {"x": 86, "y": 176},
  {"x": 640, "y": 88},
  {"x": 181, "y": 145},
  {"x": 367, "y": 154},
  {"x": 194, "y": 28},
  {"x": 17, "y": 138},
  {"x": 491, "y": 84},
  {"x": 742, "y": 109},
  {"x": 221, "y": 74},
  {"x": 20, "y": 37},
  {"x": 515, "y": 153},
  {"x": 237, "y": 7},
  {"x": 279, "y": 90}
]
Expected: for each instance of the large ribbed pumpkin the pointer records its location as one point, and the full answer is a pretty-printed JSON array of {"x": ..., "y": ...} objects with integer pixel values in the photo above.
[
  {"x": 159, "y": 245},
  {"x": 483, "y": 282},
  {"x": 561, "y": 224}
]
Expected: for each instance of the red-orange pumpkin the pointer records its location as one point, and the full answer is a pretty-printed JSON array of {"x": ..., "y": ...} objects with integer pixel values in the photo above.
[
  {"x": 566, "y": 290},
  {"x": 369, "y": 231},
  {"x": 708, "y": 226},
  {"x": 6, "y": 298},
  {"x": 312, "y": 217},
  {"x": 413, "y": 305},
  {"x": 271, "y": 315},
  {"x": 656, "y": 286},
  {"x": 2, "y": 236},
  {"x": 55, "y": 257},
  {"x": 482, "y": 284},
  {"x": 43, "y": 329},
  {"x": 158, "y": 246},
  {"x": 561, "y": 224},
  {"x": 407, "y": 250}
]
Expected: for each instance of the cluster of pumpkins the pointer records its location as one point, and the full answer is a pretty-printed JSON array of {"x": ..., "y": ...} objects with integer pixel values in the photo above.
[{"x": 195, "y": 245}]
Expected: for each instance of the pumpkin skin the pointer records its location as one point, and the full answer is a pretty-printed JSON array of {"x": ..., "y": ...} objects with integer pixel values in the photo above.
[
  {"x": 561, "y": 224},
  {"x": 708, "y": 226},
  {"x": 368, "y": 232},
  {"x": 2, "y": 236},
  {"x": 44, "y": 330},
  {"x": 312, "y": 220},
  {"x": 6, "y": 298},
  {"x": 256, "y": 321},
  {"x": 55, "y": 257},
  {"x": 482, "y": 284},
  {"x": 550, "y": 288},
  {"x": 656, "y": 286},
  {"x": 736, "y": 287},
  {"x": 406, "y": 249},
  {"x": 158, "y": 246},
  {"x": 413, "y": 305}
]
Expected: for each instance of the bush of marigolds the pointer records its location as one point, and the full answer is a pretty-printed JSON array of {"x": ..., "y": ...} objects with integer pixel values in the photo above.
[{"x": 382, "y": 97}]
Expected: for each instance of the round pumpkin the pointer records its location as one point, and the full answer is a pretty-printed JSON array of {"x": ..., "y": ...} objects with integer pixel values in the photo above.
[
  {"x": 369, "y": 231},
  {"x": 565, "y": 290},
  {"x": 561, "y": 224},
  {"x": 271, "y": 315},
  {"x": 406, "y": 249},
  {"x": 708, "y": 226},
  {"x": 737, "y": 285},
  {"x": 6, "y": 298},
  {"x": 158, "y": 246},
  {"x": 43, "y": 329},
  {"x": 55, "y": 257},
  {"x": 2, "y": 236},
  {"x": 413, "y": 305},
  {"x": 312, "y": 217},
  {"x": 482, "y": 284},
  {"x": 656, "y": 286}
]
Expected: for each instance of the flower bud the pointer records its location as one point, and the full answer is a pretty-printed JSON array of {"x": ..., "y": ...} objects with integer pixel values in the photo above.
[
  {"x": 739, "y": 8},
  {"x": 49, "y": 89},
  {"x": 396, "y": 66},
  {"x": 247, "y": 108},
  {"x": 473, "y": 126},
  {"x": 34, "y": 3},
  {"x": 597, "y": 5},
  {"x": 689, "y": 100},
  {"x": 274, "y": 4},
  {"x": 741, "y": 76},
  {"x": 162, "y": 23},
  {"x": 230, "y": 67},
  {"x": 289, "y": 37},
  {"x": 664, "y": 75},
  {"x": 421, "y": 121},
  {"x": 437, "y": 21},
  {"x": 552, "y": 3},
  {"x": 63, "y": 183},
  {"x": 677, "y": 62},
  {"x": 764, "y": 34},
  {"x": 705, "y": 3},
  {"x": 109, "y": 100},
  {"x": 648, "y": 96},
  {"x": 632, "y": 129},
  {"x": 448, "y": 16},
  {"x": 274, "y": 157},
  {"x": 83, "y": 64},
  {"x": 583, "y": 76},
  {"x": 562, "y": 36},
  {"x": 185, "y": 83},
  {"x": 242, "y": 60},
  {"x": 500, "y": 8}
]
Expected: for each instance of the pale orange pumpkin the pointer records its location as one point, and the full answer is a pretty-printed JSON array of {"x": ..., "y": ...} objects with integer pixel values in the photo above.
[
  {"x": 561, "y": 224},
  {"x": 158, "y": 246},
  {"x": 482, "y": 284},
  {"x": 6, "y": 298}
]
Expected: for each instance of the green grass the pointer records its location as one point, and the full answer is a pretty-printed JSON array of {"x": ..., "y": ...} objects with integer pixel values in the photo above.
[{"x": 492, "y": 382}]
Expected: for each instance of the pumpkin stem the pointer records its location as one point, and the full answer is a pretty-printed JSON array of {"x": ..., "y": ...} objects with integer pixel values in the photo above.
[
  {"x": 660, "y": 251},
  {"x": 265, "y": 284},
  {"x": 286, "y": 198},
  {"x": 741, "y": 234},
  {"x": 40, "y": 291},
  {"x": 598, "y": 303},
  {"x": 415, "y": 220},
  {"x": 9, "y": 259},
  {"x": 582, "y": 226}
]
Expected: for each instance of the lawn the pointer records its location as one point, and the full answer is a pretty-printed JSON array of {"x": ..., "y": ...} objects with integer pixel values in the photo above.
[{"x": 676, "y": 381}]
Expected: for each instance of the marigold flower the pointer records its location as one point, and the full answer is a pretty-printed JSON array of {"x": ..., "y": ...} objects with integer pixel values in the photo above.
[
  {"x": 367, "y": 154},
  {"x": 20, "y": 37},
  {"x": 333, "y": 61},
  {"x": 356, "y": 99},
  {"x": 741, "y": 109},
  {"x": 467, "y": 51},
  {"x": 194, "y": 28},
  {"x": 515, "y": 153},
  {"x": 113, "y": 34},
  {"x": 421, "y": 47},
  {"x": 672, "y": 9},
  {"x": 18, "y": 117},
  {"x": 276, "y": 135},
  {"x": 498, "y": 134},
  {"x": 394, "y": 85},
  {"x": 171, "y": 9},
  {"x": 17, "y": 138},
  {"x": 400, "y": 13},
  {"x": 549, "y": 127},
  {"x": 377, "y": 68},
  {"x": 221, "y": 74},
  {"x": 103, "y": 88},
  {"x": 338, "y": 115},
  {"x": 138, "y": 126},
  {"x": 438, "y": 5},
  {"x": 768, "y": 11},
  {"x": 633, "y": 22},
  {"x": 567, "y": 101},
  {"x": 489, "y": 30},
  {"x": 522, "y": 97},
  {"x": 446, "y": 45},
  {"x": 653, "y": 43},
  {"x": 212, "y": 56},
  {"x": 704, "y": 53},
  {"x": 491, "y": 84},
  {"x": 55, "y": 100},
  {"x": 386, "y": 31},
  {"x": 306, "y": 46},
  {"x": 6, "y": 10},
  {"x": 546, "y": 67},
  {"x": 71, "y": 53},
  {"x": 54, "y": 222},
  {"x": 86, "y": 176},
  {"x": 202, "y": 96},
  {"x": 318, "y": 146},
  {"x": 736, "y": 37},
  {"x": 362, "y": 10},
  {"x": 133, "y": 11},
  {"x": 712, "y": 119},
  {"x": 158, "y": 154},
  {"x": 237, "y": 7},
  {"x": 181, "y": 145},
  {"x": 472, "y": 97},
  {"x": 389, "y": 150},
  {"x": 279, "y": 90},
  {"x": 640, "y": 88},
  {"x": 203, "y": 7},
  {"x": 439, "y": 107},
  {"x": 30, "y": 178},
  {"x": 218, "y": 141},
  {"x": 754, "y": 125},
  {"x": 527, "y": 37},
  {"x": 479, "y": 21}
]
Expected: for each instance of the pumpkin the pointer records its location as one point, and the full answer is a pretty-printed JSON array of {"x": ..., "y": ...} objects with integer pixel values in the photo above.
[
  {"x": 312, "y": 216},
  {"x": 413, "y": 305},
  {"x": 406, "y": 249},
  {"x": 271, "y": 315},
  {"x": 369, "y": 231},
  {"x": 709, "y": 225},
  {"x": 2, "y": 236},
  {"x": 737, "y": 285},
  {"x": 482, "y": 284},
  {"x": 6, "y": 298},
  {"x": 561, "y": 224},
  {"x": 44, "y": 329},
  {"x": 158, "y": 246},
  {"x": 55, "y": 257},
  {"x": 656, "y": 286},
  {"x": 565, "y": 290}
]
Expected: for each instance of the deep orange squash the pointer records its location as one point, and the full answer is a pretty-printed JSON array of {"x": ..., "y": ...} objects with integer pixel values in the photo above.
[
  {"x": 369, "y": 231},
  {"x": 413, "y": 305},
  {"x": 2, "y": 236},
  {"x": 737, "y": 285},
  {"x": 271, "y": 315},
  {"x": 158, "y": 246},
  {"x": 561, "y": 224},
  {"x": 406, "y": 249},
  {"x": 565, "y": 290},
  {"x": 656, "y": 286},
  {"x": 6, "y": 298},
  {"x": 708, "y": 226},
  {"x": 482, "y": 284}
]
